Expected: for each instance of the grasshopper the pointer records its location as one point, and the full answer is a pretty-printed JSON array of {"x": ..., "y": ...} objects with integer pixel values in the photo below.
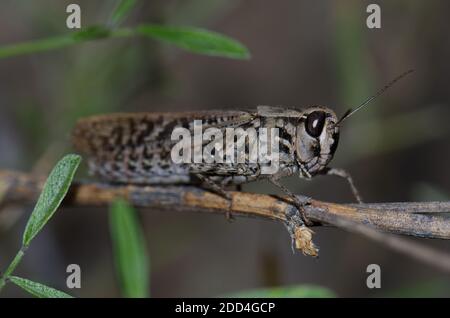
[{"x": 136, "y": 148}]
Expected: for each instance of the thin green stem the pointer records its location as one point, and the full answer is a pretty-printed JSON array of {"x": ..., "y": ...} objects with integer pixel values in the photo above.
[
  {"x": 122, "y": 32},
  {"x": 58, "y": 42},
  {"x": 11, "y": 267}
]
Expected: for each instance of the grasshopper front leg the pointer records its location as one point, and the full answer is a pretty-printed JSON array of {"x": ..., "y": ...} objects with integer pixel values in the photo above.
[{"x": 344, "y": 174}]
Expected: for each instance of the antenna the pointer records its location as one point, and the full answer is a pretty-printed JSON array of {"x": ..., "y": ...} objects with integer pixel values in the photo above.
[{"x": 350, "y": 112}]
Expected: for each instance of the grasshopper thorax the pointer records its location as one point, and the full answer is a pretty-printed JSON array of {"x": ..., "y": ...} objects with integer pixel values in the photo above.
[{"x": 316, "y": 139}]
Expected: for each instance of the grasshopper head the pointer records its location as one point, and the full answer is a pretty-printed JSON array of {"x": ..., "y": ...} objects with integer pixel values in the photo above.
[
  {"x": 317, "y": 138},
  {"x": 318, "y": 133}
]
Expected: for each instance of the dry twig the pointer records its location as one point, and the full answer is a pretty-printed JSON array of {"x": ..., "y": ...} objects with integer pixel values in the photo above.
[{"x": 420, "y": 219}]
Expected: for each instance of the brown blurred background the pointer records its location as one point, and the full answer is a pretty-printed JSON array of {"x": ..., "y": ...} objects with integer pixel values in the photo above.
[{"x": 303, "y": 53}]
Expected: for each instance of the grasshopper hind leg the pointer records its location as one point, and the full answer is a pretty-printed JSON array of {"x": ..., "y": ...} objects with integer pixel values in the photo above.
[
  {"x": 300, "y": 203},
  {"x": 296, "y": 222}
]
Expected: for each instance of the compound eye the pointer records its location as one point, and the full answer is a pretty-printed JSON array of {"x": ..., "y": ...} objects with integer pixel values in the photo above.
[{"x": 314, "y": 123}]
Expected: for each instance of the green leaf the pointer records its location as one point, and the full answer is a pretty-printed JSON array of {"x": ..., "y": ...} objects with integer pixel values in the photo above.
[
  {"x": 37, "y": 289},
  {"x": 130, "y": 253},
  {"x": 55, "y": 189},
  {"x": 300, "y": 291},
  {"x": 122, "y": 10},
  {"x": 196, "y": 40},
  {"x": 53, "y": 43}
]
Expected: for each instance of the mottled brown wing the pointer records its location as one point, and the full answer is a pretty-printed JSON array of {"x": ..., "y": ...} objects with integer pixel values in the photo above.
[
  {"x": 104, "y": 135},
  {"x": 279, "y": 112},
  {"x": 135, "y": 147}
]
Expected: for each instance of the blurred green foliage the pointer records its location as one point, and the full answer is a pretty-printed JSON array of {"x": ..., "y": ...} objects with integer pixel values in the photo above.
[
  {"x": 423, "y": 289},
  {"x": 191, "y": 39},
  {"x": 300, "y": 291},
  {"x": 131, "y": 259}
]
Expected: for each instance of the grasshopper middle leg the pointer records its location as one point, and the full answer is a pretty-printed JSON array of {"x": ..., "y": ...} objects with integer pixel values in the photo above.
[{"x": 215, "y": 187}]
